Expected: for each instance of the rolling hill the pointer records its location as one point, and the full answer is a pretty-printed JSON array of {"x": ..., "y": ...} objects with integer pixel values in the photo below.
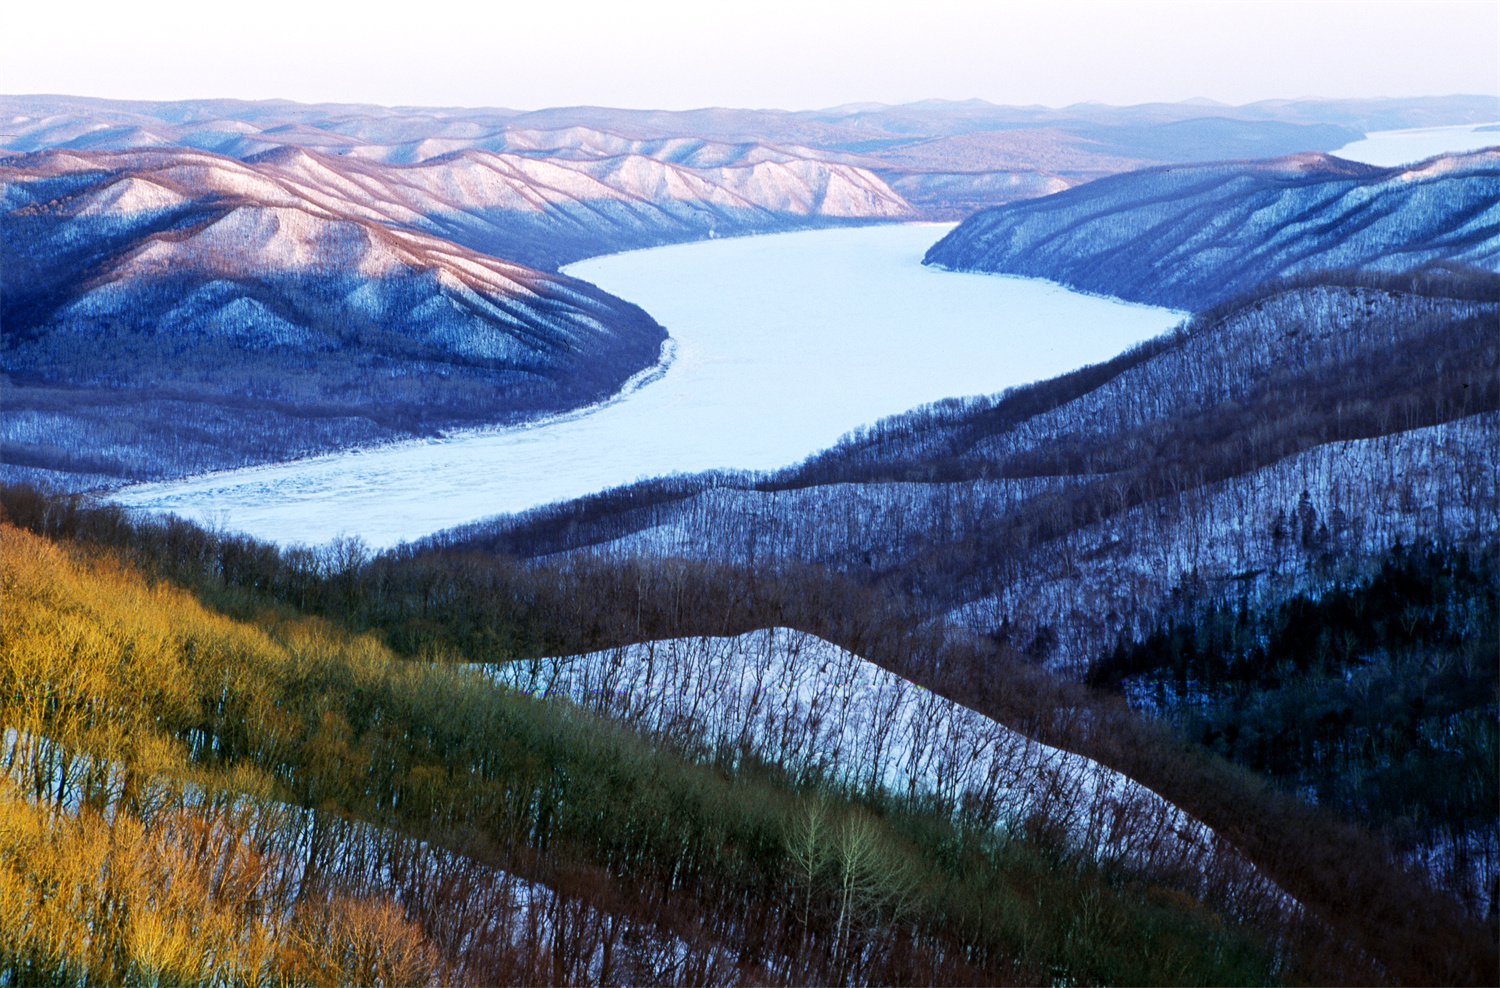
[
  {"x": 1179, "y": 668},
  {"x": 1192, "y": 236}
]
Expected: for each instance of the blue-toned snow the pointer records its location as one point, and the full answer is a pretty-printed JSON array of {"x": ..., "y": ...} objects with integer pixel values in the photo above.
[
  {"x": 782, "y": 344},
  {"x": 1388, "y": 148}
]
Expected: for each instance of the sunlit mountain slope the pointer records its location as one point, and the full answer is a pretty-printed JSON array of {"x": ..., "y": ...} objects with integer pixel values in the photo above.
[
  {"x": 235, "y": 315},
  {"x": 1188, "y": 237}
]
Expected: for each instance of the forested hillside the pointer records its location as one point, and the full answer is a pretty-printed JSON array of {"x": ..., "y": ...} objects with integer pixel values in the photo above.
[
  {"x": 280, "y": 799},
  {"x": 1288, "y": 445},
  {"x": 1193, "y": 236},
  {"x": 447, "y": 763},
  {"x": 1275, "y": 439},
  {"x": 284, "y": 763}
]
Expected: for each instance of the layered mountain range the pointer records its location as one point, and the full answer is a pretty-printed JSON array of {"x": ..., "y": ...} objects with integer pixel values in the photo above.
[
  {"x": 346, "y": 274},
  {"x": 944, "y": 158},
  {"x": 1192, "y": 236},
  {"x": 171, "y": 310}
]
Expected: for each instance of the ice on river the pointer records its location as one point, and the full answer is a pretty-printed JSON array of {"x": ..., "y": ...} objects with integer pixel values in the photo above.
[
  {"x": 1388, "y": 148},
  {"x": 782, "y": 343}
]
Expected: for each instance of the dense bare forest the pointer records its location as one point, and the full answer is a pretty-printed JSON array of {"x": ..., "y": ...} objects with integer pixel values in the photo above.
[
  {"x": 1304, "y": 444},
  {"x": 314, "y": 696},
  {"x": 1360, "y": 404}
]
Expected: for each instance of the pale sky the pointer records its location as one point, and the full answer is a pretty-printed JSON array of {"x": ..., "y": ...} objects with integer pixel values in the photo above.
[{"x": 764, "y": 53}]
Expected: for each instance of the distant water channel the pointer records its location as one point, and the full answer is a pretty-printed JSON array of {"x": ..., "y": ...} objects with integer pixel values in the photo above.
[
  {"x": 781, "y": 344},
  {"x": 1388, "y": 148}
]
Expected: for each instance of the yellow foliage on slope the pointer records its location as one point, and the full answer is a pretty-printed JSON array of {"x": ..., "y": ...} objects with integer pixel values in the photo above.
[
  {"x": 120, "y": 862},
  {"x": 181, "y": 899}
]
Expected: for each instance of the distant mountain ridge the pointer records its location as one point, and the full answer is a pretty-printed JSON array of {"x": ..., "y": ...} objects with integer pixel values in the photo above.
[
  {"x": 944, "y": 158},
  {"x": 1191, "y": 236},
  {"x": 541, "y": 212}
]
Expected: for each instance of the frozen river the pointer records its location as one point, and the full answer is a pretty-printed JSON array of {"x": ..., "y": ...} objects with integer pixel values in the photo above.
[
  {"x": 782, "y": 344},
  {"x": 1388, "y": 148}
]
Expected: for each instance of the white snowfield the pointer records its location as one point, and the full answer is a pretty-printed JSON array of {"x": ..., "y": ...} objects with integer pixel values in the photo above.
[{"x": 793, "y": 700}]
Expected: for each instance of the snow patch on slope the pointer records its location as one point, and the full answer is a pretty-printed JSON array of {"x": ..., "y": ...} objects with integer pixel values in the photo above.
[{"x": 794, "y": 700}]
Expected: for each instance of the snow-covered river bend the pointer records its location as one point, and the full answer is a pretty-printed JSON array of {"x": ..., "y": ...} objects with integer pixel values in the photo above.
[{"x": 781, "y": 345}]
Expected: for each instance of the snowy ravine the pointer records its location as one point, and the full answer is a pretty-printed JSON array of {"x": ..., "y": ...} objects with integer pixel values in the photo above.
[{"x": 793, "y": 700}]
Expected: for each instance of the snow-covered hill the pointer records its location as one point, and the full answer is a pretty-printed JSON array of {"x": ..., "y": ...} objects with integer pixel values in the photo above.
[
  {"x": 539, "y": 211},
  {"x": 818, "y": 712},
  {"x": 172, "y": 310},
  {"x": 1189, "y": 237},
  {"x": 235, "y": 315}
]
